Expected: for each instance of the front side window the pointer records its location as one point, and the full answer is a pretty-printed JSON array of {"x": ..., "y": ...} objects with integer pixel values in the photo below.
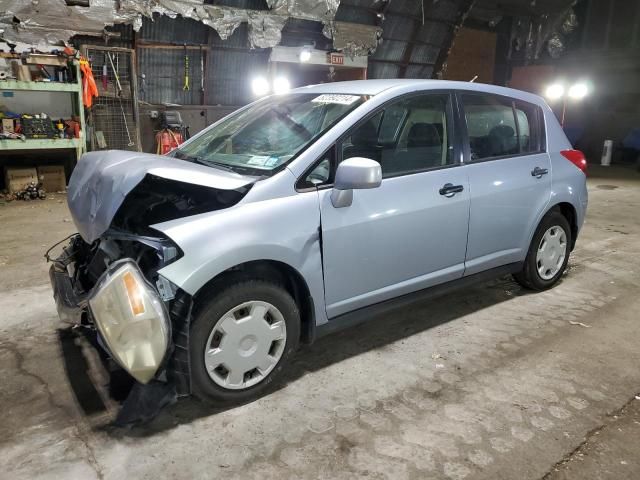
[
  {"x": 408, "y": 136},
  {"x": 321, "y": 173},
  {"x": 269, "y": 134}
]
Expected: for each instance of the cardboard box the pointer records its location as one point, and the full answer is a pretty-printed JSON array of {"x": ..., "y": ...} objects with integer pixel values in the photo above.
[
  {"x": 7, "y": 125},
  {"x": 15, "y": 179},
  {"x": 52, "y": 177}
]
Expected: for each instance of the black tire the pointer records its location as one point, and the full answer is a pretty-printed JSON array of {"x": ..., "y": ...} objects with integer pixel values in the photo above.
[
  {"x": 529, "y": 277},
  {"x": 208, "y": 315}
]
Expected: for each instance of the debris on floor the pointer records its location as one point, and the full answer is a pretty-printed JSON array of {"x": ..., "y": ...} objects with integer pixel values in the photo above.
[
  {"x": 31, "y": 191},
  {"x": 579, "y": 324}
]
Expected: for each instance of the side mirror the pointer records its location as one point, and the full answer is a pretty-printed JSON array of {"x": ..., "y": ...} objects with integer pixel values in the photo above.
[{"x": 354, "y": 174}]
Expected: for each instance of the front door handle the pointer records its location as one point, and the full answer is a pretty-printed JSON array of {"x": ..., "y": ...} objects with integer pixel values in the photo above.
[
  {"x": 539, "y": 172},
  {"x": 449, "y": 189}
]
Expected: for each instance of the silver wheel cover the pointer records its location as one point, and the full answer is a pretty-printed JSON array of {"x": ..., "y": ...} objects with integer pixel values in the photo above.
[
  {"x": 245, "y": 345},
  {"x": 551, "y": 252}
]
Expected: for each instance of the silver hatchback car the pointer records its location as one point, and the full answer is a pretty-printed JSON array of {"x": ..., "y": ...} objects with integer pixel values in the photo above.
[{"x": 306, "y": 212}]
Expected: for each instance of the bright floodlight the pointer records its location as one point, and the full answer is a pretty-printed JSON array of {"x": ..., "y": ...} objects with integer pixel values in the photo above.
[
  {"x": 281, "y": 85},
  {"x": 578, "y": 91},
  {"x": 555, "y": 91},
  {"x": 305, "y": 55},
  {"x": 260, "y": 86}
]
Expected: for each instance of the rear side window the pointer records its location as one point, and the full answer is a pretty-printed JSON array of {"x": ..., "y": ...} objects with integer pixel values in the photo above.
[
  {"x": 499, "y": 126},
  {"x": 529, "y": 119}
]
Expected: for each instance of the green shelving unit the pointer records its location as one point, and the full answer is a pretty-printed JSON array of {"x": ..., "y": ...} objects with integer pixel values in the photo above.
[
  {"x": 39, "y": 86},
  {"x": 75, "y": 89},
  {"x": 40, "y": 143}
]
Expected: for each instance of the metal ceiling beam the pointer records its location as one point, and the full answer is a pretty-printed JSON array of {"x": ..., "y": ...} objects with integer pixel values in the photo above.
[
  {"x": 408, "y": 51},
  {"x": 395, "y": 13},
  {"x": 523, "y": 8},
  {"x": 445, "y": 50}
]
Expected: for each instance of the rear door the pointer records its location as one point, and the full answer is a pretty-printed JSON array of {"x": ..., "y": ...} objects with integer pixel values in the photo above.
[{"x": 509, "y": 177}]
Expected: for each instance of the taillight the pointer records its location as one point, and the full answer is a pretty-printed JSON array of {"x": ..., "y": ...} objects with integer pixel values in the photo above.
[{"x": 576, "y": 157}]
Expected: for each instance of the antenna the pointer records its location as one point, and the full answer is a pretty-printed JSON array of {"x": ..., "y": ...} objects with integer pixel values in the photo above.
[{"x": 473, "y": 79}]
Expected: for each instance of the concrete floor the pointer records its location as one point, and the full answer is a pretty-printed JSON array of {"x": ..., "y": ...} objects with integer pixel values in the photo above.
[{"x": 492, "y": 382}]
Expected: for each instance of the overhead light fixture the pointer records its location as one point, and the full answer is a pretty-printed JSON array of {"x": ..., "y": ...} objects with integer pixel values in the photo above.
[
  {"x": 260, "y": 86},
  {"x": 555, "y": 91},
  {"x": 281, "y": 85},
  {"x": 305, "y": 55},
  {"x": 578, "y": 91}
]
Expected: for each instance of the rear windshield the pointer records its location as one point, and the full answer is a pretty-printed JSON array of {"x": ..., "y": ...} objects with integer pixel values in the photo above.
[{"x": 269, "y": 134}]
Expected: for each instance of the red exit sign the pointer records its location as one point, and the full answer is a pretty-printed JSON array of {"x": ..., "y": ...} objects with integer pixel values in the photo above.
[{"x": 336, "y": 59}]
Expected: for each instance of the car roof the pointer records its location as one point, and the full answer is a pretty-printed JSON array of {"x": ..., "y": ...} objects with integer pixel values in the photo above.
[{"x": 374, "y": 87}]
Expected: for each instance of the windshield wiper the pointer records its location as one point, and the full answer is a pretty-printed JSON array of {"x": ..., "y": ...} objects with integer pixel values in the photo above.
[
  {"x": 189, "y": 158},
  {"x": 203, "y": 161},
  {"x": 220, "y": 165}
]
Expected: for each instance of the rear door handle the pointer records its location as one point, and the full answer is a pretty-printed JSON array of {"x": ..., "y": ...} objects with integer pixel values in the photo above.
[
  {"x": 539, "y": 172},
  {"x": 449, "y": 189}
]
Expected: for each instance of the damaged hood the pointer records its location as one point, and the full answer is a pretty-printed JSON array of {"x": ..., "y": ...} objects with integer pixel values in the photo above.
[{"x": 101, "y": 181}]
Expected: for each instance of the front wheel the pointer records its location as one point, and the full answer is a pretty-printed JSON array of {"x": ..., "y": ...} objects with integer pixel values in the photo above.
[
  {"x": 241, "y": 340},
  {"x": 548, "y": 253}
]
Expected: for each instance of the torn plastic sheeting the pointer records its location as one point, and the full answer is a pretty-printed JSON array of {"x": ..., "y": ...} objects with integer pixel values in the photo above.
[
  {"x": 41, "y": 25},
  {"x": 570, "y": 23},
  {"x": 44, "y": 21},
  {"x": 353, "y": 39},
  {"x": 265, "y": 31},
  {"x": 323, "y": 10},
  {"x": 555, "y": 46},
  {"x": 53, "y": 13},
  {"x": 546, "y": 32},
  {"x": 186, "y": 8},
  {"x": 225, "y": 20},
  {"x": 36, "y": 37},
  {"x": 264, "y": 27}
]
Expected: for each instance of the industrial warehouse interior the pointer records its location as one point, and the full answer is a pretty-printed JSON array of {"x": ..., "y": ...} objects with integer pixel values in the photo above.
[{"x": 338, "y": 239}]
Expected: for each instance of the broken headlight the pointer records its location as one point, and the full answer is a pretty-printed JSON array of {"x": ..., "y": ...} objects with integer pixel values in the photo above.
[{"x": 131, "y": 319}]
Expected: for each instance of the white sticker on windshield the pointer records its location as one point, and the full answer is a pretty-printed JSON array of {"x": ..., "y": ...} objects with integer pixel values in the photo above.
[
  {"x": 271, "y": 162},
  {"x": 336, "y": 98},
  {"x": 263, "y": 161},
  {"x": 258, "y": 160}
]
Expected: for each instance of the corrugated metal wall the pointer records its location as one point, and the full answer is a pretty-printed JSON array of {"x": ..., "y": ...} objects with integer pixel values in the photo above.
[
  {"x": 231, "y": 66},
  {"x": 164, "y": 71},
  {"x": 173, "y": 30}
]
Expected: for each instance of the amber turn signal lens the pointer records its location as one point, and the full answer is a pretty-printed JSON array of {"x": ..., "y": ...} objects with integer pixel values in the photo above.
[{"x": 134, "y": 293}]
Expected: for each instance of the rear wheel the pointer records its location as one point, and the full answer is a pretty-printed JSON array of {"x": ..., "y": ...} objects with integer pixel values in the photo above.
[
  {"x": 241, "y": 340},
  {"x": 548, "y": 253}
]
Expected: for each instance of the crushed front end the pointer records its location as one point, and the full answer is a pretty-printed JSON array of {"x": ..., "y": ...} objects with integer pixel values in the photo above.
[
  {"x": 138, "y": 318},
  {"x": 107, "y": 278}
]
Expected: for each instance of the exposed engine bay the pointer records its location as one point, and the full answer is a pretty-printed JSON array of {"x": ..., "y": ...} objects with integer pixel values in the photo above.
[
  {"x": 156, "y": 199},
  {"x": 90, "y": 261}
]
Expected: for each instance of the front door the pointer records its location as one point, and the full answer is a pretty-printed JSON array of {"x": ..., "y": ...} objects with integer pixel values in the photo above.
[
  {"x": 509, "y": 178},
  {"x": 411, "y": 232}
]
